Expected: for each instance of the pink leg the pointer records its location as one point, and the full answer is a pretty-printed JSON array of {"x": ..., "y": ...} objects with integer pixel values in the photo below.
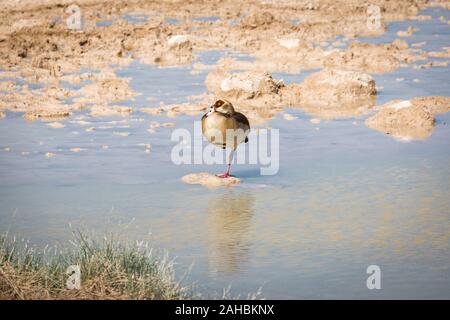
[{"x": 227, "y": 173}]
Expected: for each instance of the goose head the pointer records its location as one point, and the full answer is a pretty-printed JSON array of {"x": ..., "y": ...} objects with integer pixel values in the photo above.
[{"x": 223, "y": 106}]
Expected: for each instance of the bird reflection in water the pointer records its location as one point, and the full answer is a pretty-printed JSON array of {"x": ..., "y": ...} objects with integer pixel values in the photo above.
[{"x": 229, "y": 223}]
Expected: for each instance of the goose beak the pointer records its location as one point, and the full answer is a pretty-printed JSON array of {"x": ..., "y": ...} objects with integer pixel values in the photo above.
[{"x": 210, "y": 110}]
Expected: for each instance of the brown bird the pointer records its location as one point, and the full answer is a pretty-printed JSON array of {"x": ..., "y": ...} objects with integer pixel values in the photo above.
[{"x": 225, "y": 127}]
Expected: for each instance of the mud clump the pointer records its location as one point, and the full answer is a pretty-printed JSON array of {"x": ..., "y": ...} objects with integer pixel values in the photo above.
[
  {"x": 326, "y": 94},
  {"x": 191, "y": 109},
  {"x": 403, "y": 120},
  {"x": 407, "y": 33},
  {"x": 106, "y": 89},
  {"x": 105, "y": 111},
  {"x": 245, "y": 86},
  {"x": 288, "y": 53},
  {"x": 262, "y": 20},
  {"x": 209, "y": 180},
  {"x": 170, "y": 51},
  {"x": 333, "y": 93},
  {"x": 34, "y": 102},
  {"x": 256, "y": 94},
  {"x": 152, "y": 111},
  {"x": 48, "y": 113},
  {"x": 436, "y": 104},
  {"x": 440, "y": 54},
  {"x": 372, "y": 58}
]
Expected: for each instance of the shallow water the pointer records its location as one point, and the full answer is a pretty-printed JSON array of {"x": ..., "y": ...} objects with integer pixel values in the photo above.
[{"x": 345, "y": 197}]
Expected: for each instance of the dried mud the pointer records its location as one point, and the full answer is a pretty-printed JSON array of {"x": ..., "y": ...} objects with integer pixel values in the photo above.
[{"x": 37, "y": 46}]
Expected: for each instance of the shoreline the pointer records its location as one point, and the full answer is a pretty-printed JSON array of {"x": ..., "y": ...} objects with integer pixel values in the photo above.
[{"x": 108, "y": 270}]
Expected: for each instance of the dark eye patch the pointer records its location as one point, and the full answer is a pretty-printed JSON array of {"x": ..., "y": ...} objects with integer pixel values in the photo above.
[{"x": 219, "y": 103}]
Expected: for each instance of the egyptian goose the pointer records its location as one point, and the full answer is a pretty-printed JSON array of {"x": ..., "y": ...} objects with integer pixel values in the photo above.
[{"x": 225, "y": 127}]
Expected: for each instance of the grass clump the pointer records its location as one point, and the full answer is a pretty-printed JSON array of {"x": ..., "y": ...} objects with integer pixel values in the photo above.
[{"x": 109, "y": 270}]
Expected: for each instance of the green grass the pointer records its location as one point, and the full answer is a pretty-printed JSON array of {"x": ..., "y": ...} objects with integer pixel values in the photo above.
[{"x": 109, "y": 270}]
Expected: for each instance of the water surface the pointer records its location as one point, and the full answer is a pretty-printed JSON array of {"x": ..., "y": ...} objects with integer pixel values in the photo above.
[{"x": 345, "y": 197}]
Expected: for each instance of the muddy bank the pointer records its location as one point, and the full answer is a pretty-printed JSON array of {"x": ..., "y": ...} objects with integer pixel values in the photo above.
[
  {"x": 37, "y": 34},
  {"x": 40, "y": 44}
]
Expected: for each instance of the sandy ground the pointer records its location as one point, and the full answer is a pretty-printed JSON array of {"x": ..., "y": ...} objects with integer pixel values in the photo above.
[{"x": 40, "y": 43}]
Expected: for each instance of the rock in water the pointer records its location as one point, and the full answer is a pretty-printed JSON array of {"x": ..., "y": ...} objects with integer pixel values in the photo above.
[{"x": 209, "y": 180}]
